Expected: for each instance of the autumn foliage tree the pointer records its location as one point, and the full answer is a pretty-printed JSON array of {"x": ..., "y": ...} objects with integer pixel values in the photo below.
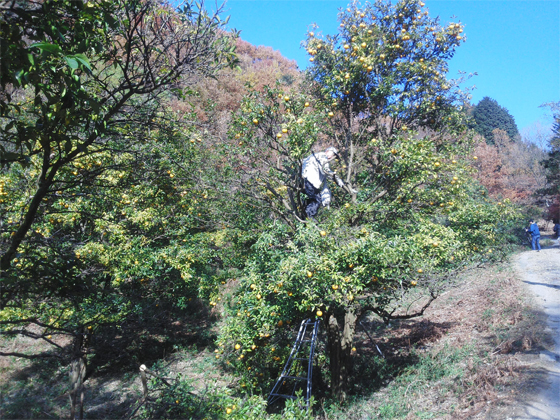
[{"x": 510, "y": 169}]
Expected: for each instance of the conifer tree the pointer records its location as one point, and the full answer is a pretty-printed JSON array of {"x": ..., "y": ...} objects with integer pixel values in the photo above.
[{"x": 489, "y": 115}]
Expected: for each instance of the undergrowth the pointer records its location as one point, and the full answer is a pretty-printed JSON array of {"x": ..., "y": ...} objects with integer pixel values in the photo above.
[{"x": 460, "y": 358}]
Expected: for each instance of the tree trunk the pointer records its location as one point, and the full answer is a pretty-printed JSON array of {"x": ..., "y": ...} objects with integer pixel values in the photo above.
[
  {"x": 339, "y": 346},
  {"x": 77, "y": 376}
]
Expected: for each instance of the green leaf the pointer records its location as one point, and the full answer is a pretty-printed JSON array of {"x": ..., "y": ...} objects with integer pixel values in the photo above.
[
  {"x": 83, "y": 60},
  {"x": 48, "y": 47},
  {"x": 72, "y": 62}
]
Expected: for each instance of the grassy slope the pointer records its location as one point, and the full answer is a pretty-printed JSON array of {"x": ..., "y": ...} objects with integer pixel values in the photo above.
[{"x": 468, "y": 357}]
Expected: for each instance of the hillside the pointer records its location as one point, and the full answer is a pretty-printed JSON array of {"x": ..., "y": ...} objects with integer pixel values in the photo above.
[
  {"x": 474, "y": 354},
  {"x": 174, "y": 202}
]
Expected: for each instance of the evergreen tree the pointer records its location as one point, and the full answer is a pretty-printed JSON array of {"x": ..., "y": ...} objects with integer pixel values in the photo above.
[
  {"x": 489, "y": 115},
  {"x": 552, "y": 164}
]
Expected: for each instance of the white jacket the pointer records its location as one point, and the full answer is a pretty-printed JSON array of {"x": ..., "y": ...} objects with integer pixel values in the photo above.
[{"x": 315, "y": 169}]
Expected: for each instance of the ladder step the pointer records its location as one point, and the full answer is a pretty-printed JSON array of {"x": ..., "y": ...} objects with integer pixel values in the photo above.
[
  {"x": 300, "y": 378},
  {"x": 284, "y": 396}
]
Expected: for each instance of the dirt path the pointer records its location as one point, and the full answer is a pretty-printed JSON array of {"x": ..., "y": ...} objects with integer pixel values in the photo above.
[{"x": 540, "y": 271}]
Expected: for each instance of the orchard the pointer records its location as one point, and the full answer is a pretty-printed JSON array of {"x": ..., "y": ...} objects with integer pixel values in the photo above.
[{"x": 127, "y": 196}]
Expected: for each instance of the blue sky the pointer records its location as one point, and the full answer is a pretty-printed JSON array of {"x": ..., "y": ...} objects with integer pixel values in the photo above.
[{"x": 513, "y": 45}]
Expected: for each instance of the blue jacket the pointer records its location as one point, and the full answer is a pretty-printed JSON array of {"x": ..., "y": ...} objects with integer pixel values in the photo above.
[{"x": 534, "y": 230}]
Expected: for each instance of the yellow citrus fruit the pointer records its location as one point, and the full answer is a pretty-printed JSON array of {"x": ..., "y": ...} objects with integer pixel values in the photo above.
[{"x": 319, "y": 313}]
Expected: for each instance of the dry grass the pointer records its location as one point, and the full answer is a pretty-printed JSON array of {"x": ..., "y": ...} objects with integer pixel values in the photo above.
[{"x": 471, "y": 356}]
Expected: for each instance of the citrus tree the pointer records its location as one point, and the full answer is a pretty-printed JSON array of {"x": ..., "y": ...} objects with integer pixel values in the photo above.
[
  {"x": 410, "y": 216},
  {"x": 90, "y": 182},
  {"x": 73, "y": 70}
]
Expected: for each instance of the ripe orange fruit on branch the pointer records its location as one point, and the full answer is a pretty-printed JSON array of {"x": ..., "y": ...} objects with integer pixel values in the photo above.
[{"x": 319, "y": 313}]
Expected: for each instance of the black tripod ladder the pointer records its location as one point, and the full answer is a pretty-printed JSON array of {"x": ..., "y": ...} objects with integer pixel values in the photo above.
[{"x": 299, "y": 367}]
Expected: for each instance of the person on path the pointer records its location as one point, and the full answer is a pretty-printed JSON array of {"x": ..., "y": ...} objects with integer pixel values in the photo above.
[
  {"x": 533, "y": 229},
  {"x": 556, "y": 229},
  {"x": 315, "y": 170}
]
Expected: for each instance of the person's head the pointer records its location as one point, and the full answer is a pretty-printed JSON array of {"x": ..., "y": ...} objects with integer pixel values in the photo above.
[
  {"x": 331, "y": 153},
  {"x": 531, "y": 221}
]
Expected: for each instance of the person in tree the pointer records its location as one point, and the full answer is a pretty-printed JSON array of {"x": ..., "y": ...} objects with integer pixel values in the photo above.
[
  {"x": 533, "y": 229},
  {"x": 315, "y": 170}
]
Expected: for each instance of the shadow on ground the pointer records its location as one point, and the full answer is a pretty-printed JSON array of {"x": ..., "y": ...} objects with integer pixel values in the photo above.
[{"x": 39, "y": 388}]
